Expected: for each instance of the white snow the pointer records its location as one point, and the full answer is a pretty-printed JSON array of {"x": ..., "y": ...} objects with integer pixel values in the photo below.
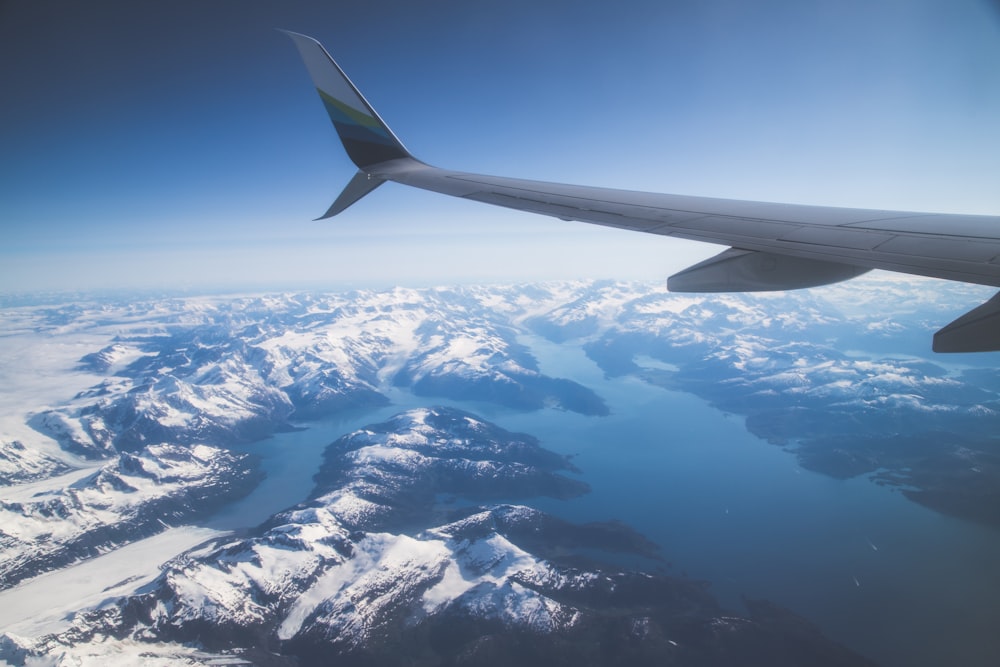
[
  {"x": 310, "y": 343},
  {"x": 50, "y": 514},
  {"x": 109, "y": 652},
  {"x": 31, "y": 491},
  {"x": 377, "y": 552},
  {"x": 47, "y": 603}
]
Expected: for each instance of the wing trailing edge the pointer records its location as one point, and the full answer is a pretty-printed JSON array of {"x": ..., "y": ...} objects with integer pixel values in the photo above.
[{"x": 773, "y": 246}]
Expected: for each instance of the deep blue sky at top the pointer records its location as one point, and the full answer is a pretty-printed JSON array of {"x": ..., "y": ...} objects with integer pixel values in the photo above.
[{"x": 180, "y": 144}]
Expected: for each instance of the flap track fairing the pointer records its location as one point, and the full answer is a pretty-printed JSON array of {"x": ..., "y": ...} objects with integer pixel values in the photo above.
[{"x": 736, "y": 270}]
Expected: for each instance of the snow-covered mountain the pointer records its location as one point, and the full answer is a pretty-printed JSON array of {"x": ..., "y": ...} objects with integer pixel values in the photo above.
[
  {"x": 230, "y": 372},
  {"x": 46, "y": 526},
  {"x": 118, "y": 418},
  {"x": 932, "y": 430},
  {"x": 20, "y": 463},
  {"x": 222, "y": 371},
  {"x": 185, "y": 373},
  {"x": 327, "y": 582}
]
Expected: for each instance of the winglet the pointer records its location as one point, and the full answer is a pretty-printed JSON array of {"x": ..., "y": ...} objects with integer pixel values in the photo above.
[{"x": 366, "y": 138}]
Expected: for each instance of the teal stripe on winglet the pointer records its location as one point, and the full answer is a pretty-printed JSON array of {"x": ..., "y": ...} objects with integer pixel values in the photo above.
[{"x": 340, "y": 112}]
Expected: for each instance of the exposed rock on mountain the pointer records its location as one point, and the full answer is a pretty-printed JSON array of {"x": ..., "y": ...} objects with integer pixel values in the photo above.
[
  {"x": 326, "y": 582},
  {"x": 20, "y": 464},
  {"x": 908, "y": 422},
  {"x": 388, "y": 475},
  {"x": 133, "y": 497},
  {"x": 237, "y": 371}
]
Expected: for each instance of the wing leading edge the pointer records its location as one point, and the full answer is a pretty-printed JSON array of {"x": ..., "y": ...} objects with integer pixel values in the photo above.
[{"x": 772, "y": 246}]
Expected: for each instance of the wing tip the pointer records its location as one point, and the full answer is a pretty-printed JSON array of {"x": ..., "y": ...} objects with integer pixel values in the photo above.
[{"x": 367, "y": 139}]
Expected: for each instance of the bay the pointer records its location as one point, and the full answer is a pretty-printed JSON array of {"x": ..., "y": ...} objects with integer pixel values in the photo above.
[{"x": 891, "y": 579}]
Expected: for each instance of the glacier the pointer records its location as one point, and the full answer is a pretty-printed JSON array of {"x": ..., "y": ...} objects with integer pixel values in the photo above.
[{"x": 124, "y": 418}]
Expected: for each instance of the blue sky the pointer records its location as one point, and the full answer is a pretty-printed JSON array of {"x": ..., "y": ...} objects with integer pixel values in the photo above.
[{"x": 181, "y": 145}]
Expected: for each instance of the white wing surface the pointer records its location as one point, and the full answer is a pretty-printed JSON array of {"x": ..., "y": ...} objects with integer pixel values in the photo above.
[{"x": 771, "y": 246}]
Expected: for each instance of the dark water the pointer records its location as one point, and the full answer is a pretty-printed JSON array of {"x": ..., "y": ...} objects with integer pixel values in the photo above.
[
  {"x": 897, "y": 582},
  {"x": 900, "y": 583}
]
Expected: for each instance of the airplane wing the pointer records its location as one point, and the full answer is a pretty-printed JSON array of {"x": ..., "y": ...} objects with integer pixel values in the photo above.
[{"x": 771, "y": 246}]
